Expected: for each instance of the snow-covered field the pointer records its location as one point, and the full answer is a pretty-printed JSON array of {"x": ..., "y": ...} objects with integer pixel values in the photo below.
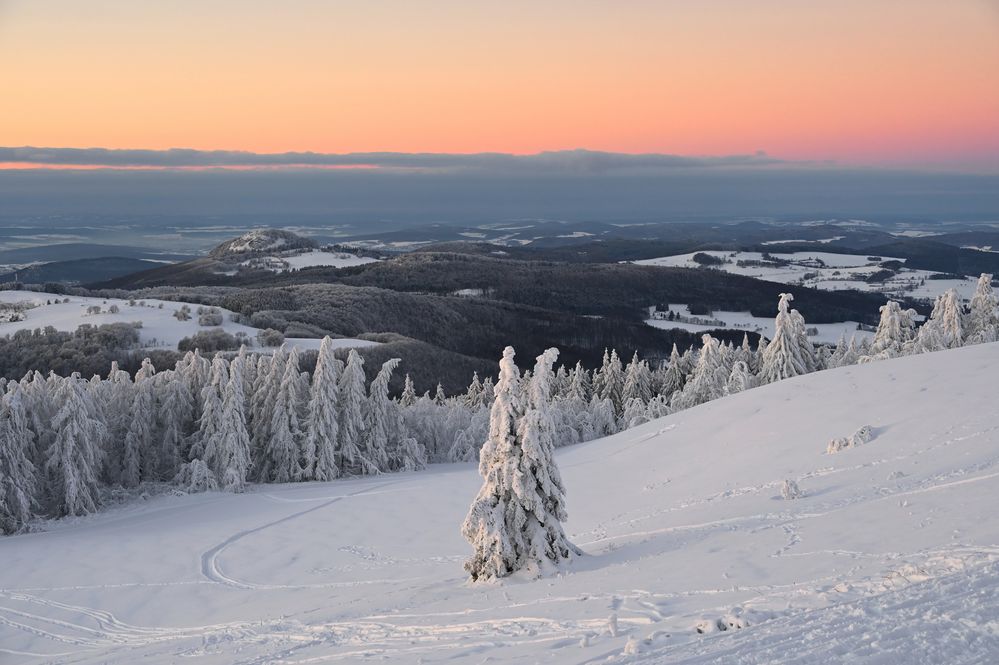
[
  {"x": 827, "y": 271},
  {"x": 828, "y": 333},
  {"x": 891, "y": 556},
  {"x": 307, "y": 259},
  {"x": 160, "y": 329}
]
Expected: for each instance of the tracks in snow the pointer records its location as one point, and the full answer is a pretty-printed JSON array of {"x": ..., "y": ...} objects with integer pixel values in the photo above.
[{"x": 211, "y": 570}]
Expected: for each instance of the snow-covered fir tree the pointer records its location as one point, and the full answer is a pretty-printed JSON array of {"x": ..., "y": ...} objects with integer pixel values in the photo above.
[
  {"x": 982, "y": 321},
  {"x": 944, "y": 329},
  {"x": 353, "y": 401},
  {"x": 707, "y": 381},
  {"x": 386, "y": 443},
  {"x": 320, "y": 460},
  {"x": 637, "y": 381},
  {"x": 139, "y": 456},
  {"x": 789, "y": 353},
  {"x": 515, "y": 522},
  {"x": 895, "y": 330},
  {"x": 279, "y": 461},
  {"x": 408, "y": 397},
  {"x": 18, "y": 475},
  {"x": 73, "y": 461}
]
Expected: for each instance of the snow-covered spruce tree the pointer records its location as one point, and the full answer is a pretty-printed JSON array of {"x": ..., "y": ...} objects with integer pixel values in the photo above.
[
  {"x": 560, "y": 384},
  {"x": 73, "y": 461},
  {"x": 473, "y": 396},
  {"x": 40, "y": 408},
  {"x": 944, "y": 329},
  {"x": 895, "y": 330},
  {"x": 351, "y": 419},
  {"x": 982, "y": 321},
  {"x": 789, "y": 352},
  {"x": 322, "y": 427},
  {"x": 385, "y": 441},
  {"x": 488, "y": 392},
  {"x": 707, "y": 381},
  {"x": 579, "y": 384},
  {"x": 279, "y": 459},
  {"x": 114, "y": 405},
  {"x": 612, "y": 382},
  {"x": 262, "y": 405},
  {"x": 602, "y": 417},
  {"x": 175, "y": 418},
  {"x": 225, "y": 442},
  {"x": 209, "y": 423},
  {"x": 18, "y": 476},
  {"x": 740, "y": 379},
  {"x": 637, "y": 382},
  {"x": 440, "y": 399},
  {"x": 140, "y": 457},
  {"x": 408, "y": 397},
  {"x": 674, "y": 377},
  {"x": 515, "y": 522}
]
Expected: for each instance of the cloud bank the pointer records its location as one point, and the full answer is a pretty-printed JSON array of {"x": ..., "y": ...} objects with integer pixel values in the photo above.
[
  {"x": 426, "y": 187},
  {"x": 566, "y": 161}
]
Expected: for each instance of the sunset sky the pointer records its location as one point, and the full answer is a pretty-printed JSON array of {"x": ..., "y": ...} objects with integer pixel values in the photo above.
[{"x": 911, "y": 83}]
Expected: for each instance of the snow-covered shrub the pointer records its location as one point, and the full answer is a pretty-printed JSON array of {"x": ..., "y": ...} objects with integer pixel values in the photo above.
[
  {"x": 790, "y": 490},
  {"x": 858, "y": 438},
  {"x": 195, "y": 476},
  {"x": 270, "y": 337},
  {"x": 209, "y": 317}
]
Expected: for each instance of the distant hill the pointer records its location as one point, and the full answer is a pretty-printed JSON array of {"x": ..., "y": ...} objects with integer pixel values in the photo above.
[
  {"x": 258, "y": 242},
  {"x": 79, "y": 271}
]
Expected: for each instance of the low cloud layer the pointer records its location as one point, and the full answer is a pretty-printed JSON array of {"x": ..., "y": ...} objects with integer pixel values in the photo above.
[{"x": 566, "y": 161}]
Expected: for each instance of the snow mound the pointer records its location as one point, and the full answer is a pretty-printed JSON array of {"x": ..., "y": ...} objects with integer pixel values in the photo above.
[{"x": 891, "y": 555}]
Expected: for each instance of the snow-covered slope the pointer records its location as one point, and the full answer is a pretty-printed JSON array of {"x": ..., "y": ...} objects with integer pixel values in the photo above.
[{"x": 891, "y": 555}]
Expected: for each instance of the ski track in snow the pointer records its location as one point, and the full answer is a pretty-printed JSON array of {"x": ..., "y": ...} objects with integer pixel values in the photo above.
[{"x": 935, "y": 598}]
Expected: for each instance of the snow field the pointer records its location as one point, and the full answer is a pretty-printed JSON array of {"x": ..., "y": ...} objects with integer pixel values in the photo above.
[
  {"x": 160, "y": 329},
  {"x": 891, "y": 553},
  {"x": 841, "y": 271}
]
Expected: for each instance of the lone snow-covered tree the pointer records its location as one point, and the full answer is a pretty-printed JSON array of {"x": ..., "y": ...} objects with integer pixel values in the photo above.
[
  {"x": 789, "y": 353},
  {"x": 515, "y": 522}
]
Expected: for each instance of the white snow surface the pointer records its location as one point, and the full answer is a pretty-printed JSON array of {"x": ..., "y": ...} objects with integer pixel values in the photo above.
[
  {"x": 309, "y": 258},
  {"x": 835, "y": 272},
  {"x": 890, "y": 556},
  {"x": 160, "y": 329}
]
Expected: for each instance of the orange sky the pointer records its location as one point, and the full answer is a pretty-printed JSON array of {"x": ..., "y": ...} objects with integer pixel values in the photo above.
[{"x": 913, "y": 82}]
